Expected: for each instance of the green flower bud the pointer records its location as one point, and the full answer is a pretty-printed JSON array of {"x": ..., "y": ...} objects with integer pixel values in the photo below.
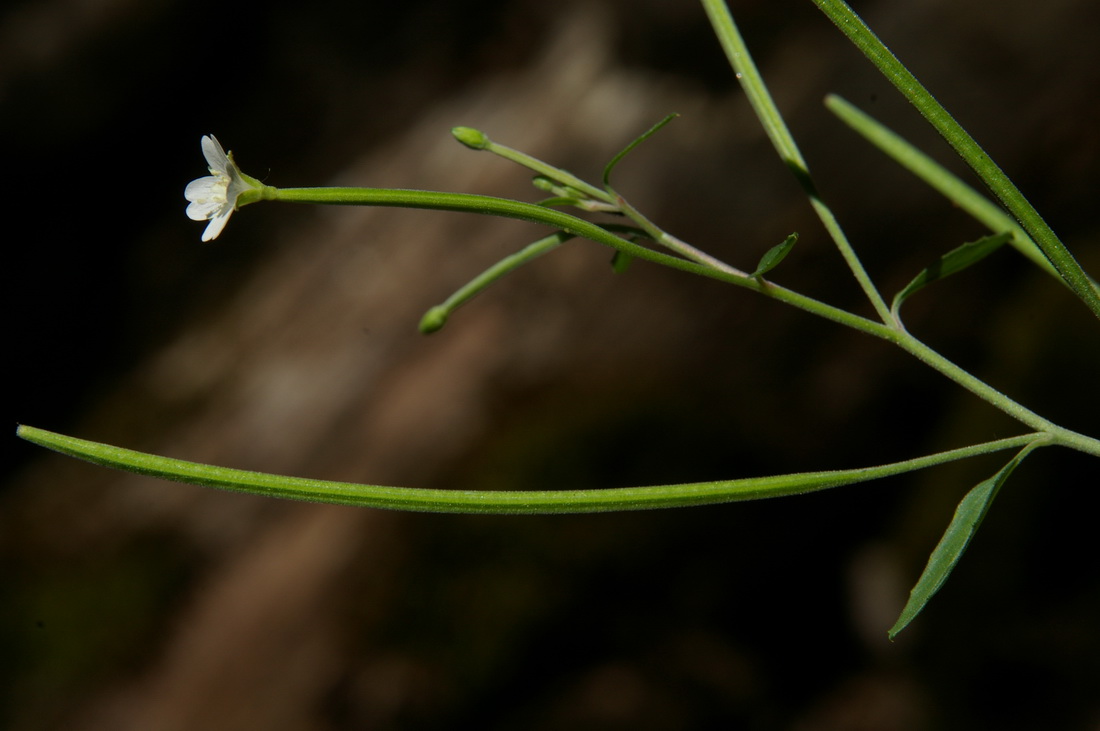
[
  {"x": 434, "y": 319},
  {"x": 472, "y": 138},
  {"x": 545, "y": 184}
]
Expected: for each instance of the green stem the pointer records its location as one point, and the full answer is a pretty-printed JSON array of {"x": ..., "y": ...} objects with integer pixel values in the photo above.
[
  {"x": 994, "y": 178},
  {"x": 570, "y": 224},
  {"x": 783, "y": 141},
  {"x": 533, "y": 163},
  {"x": 493, "y": 501},
  {"x": 779, "y": 134},
  {"x": 983, "y": 390},
  {"x": 671, "y": 242},
  {"x": 437, "y": 316},
  {"x": 506, "y": 208},
  {"x": 973, "y": 384}
]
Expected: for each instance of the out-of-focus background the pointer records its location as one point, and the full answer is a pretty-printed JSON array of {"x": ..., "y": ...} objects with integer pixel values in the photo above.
[{"x": 290, "y": 345}]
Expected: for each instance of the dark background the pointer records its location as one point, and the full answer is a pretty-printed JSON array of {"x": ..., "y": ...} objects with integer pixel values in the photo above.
[{"x": 290, "y": 345}]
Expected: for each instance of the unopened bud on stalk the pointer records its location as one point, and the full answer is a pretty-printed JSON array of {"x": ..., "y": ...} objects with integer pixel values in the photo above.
[
  {"x": 434, "y": 319},
  {"x": 472, "y": 138}
]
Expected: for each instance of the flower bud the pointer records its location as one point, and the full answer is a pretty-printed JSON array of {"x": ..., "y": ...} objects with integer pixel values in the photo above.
[
  {"x": 434, "y": 319},
  {"x": 545, "y": 184},
  {"x": 472, "y": 138}
]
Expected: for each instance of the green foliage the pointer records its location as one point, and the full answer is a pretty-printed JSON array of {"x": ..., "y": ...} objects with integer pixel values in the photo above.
[
  {"x": 774, "y": 255},
  {"x": 968, "y": 516},
  {"x": 967, "y": 148},
  {"x": 629, "y": 148},
  {"x": 953, "y": 261}
]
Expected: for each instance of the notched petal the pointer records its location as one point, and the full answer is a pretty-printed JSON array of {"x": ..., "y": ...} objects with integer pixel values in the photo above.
[{"x": 202, "y": 210}]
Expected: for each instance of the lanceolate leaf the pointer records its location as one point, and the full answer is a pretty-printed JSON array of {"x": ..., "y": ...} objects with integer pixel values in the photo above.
[
  {"x": 774, "y": 255},
  {"x": 968, "y": 516},
  {"x": 953, "y": 261}
]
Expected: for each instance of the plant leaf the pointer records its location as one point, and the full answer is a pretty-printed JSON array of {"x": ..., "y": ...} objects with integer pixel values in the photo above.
[
  {"x": 995, "y": 179},
  {"x": 940, "y": 179},
  {"x": 639, "y": 140},
  {"x": 968, "y": 516},
  {"x": 953, "y": 261},
  {"x": 774, "y": 255}
]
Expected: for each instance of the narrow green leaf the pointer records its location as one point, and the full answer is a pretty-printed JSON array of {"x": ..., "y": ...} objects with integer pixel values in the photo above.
[
  {"x": 968, "y": 516},
  {"x": 774, "y": 255},
  {"x": 940, "y": 179},
  {"x": 953, "y": 261},
  {"x": 626, "y": 150},
  {"x": 967, "y": 148}
]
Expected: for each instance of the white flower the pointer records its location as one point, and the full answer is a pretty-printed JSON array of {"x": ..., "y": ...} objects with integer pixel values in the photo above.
[{"x": 214, "y": 198}]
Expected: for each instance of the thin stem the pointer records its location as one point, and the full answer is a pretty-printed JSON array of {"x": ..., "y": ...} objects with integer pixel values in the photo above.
[
  {"x": 980, "y": 388},
  {"x": 783, "y": 141},
  {"x": 507, "y": 208},
  {"x": 533, "y": 163},
  {"x": 495, "y": 501},
  {"x": 969, "y": 150},
  {"x": 777, "y": 131},
  {"x": 437, "y": 316},
  {"x": 570, "y": 224},
  {"x": 671, "y": 242}
]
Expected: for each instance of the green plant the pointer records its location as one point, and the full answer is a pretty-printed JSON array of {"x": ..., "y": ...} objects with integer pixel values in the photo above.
[{"x": 632, "y": 236}]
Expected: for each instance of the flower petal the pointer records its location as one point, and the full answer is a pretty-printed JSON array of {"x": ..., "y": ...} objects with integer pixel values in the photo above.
[
  {"x": 200, "y": 188},
  {"x": 215, "y": 155},
  {"x": 217, "y": 223},
  {"x": 203, "y": 211},
  {"x": 204, "y": 189}
]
